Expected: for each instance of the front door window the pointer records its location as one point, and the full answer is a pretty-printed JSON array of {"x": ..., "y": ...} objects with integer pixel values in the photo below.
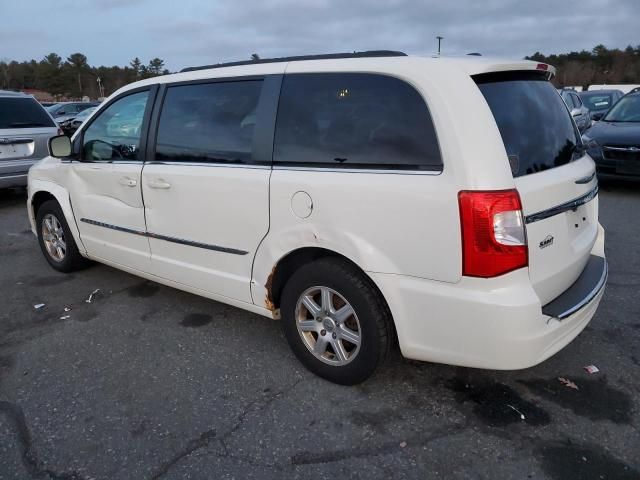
[{"x": 115, "y": 134}]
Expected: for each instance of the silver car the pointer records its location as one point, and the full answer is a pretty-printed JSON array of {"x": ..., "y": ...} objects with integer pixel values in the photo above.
[
  {"x": 579, "y": 112},
  {"x": 25, "y": 129}
]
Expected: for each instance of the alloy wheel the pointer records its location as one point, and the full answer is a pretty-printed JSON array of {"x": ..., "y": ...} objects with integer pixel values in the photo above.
[{"x": 328, "y": 325}]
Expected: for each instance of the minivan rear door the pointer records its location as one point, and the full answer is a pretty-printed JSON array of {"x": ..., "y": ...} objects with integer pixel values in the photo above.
[
  {"x": 555, "y": 179},
  {"x": 25, "y": 129}
]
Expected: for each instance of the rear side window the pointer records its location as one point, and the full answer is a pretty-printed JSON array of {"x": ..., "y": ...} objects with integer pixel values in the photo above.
[
  {"x": 23, "y": 113},
  {"x": 536, "y": 127},
  {"x": 354, "y": 120},
  {"x": 212, "y": 122}
]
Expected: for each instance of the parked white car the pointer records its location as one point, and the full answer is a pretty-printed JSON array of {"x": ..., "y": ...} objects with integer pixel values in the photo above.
[{"x": 443, "y": 202}]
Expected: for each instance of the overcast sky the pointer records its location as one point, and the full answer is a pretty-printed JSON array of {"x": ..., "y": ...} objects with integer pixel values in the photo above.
[{"x": 196, "y": 32}]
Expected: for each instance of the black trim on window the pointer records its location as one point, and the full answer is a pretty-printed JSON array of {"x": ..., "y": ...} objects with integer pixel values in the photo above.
[
  {"x": 360, "y": 166},
  {"x": 509, "y": 76},
  {"x": 262, "y": 148}
]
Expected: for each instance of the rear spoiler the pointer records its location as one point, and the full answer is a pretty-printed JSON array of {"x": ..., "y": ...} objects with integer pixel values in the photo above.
[{"x": 497, "y": 66}]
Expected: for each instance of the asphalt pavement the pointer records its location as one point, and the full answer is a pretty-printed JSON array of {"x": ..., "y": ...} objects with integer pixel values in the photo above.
[{"x": 147, "y": 382}]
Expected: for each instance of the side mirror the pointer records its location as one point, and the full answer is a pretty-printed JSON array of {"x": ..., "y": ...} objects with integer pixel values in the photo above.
[{"x": 60, "y": 146}]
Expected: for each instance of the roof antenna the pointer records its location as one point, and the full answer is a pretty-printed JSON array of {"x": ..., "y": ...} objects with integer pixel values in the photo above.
[{"x": 439, "y": 40}]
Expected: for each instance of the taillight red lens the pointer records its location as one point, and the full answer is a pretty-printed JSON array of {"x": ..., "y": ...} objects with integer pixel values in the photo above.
[{"x": 482, "y": 216}]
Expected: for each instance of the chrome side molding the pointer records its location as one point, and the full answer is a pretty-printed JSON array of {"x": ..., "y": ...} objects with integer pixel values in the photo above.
[{"x": 166, "y": 238}]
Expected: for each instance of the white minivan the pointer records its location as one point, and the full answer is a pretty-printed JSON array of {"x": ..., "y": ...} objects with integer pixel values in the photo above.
[{"x": 443, "y": 204}]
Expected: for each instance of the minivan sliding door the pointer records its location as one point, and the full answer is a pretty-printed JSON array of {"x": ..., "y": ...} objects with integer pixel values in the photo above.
[{"x": 206, "y": 186}]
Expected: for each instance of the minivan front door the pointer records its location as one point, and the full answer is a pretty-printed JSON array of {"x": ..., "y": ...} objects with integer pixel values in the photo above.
[
  {"x": 206, "y": 190},
  {"x": 105, "y": 183}
]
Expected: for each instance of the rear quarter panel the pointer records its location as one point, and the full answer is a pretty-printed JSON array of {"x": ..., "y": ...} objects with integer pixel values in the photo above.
[
  {"x": 389, "y": 223},
  {"x": 394, "y": 223}
]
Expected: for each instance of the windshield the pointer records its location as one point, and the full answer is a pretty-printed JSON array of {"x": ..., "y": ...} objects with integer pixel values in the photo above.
[
  {"x": 597, "y": 101},
  {"x": 85, "y": 113},
  {"x": 534, "y": 123},
  {"x": 23, "y": 113},
  {"x": 626, "y": 110}
]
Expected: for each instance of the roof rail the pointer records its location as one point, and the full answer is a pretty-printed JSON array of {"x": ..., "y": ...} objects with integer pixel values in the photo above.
[{"x": 327, "y": 56}]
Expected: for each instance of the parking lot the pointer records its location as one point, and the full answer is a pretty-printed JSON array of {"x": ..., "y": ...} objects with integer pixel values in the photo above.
[{"x": 148, "y": 382}]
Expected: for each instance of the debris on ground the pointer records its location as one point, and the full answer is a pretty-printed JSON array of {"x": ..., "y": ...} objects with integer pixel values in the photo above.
[
  {"x": 67, "y": 309},
  {"x": 568, "y": 383},
  {"x": 403, "y": 444},
  {"x": 64, "y": 317},
  {"x": 517, "y": 411},
  {"x": 38, "y": 306},
  {"x": 90, "y": 299},
  {"x": 592, "y": 369}
]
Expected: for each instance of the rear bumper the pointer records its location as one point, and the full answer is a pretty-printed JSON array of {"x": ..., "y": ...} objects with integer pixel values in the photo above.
[
  {"x": 483, "y": 323},
  {"x": 7, "y": 181},
  {"x": 13, "y": 173},
  {"x": 590, "y": 282}
]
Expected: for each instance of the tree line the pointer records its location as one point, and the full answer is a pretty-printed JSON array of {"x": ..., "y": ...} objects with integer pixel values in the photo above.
[
  {"x": 74, "y": 78},
  {"x": 598, "y": 66}
]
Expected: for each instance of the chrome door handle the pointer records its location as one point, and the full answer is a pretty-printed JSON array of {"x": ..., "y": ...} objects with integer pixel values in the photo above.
[
  {"x": 159, "y": 184},
  {"x": 128, "y": 182}
]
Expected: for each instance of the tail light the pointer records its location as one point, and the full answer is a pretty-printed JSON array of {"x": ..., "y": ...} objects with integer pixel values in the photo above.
[{"x": 493, "y": 235}]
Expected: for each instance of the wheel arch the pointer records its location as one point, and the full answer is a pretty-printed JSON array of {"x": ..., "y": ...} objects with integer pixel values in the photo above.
[
  {"x": 39, "y": 192},
  {"x": 287, "y": 265},
  {"x": 39, "y": 198}
]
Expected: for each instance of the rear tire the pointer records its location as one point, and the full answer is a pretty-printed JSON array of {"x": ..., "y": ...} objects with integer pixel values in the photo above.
[
  {"x": 56, "y": 240},
  {"x": 336, "y": 321}
]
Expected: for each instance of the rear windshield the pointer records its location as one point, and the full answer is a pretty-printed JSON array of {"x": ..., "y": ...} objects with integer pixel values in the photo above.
[
  {"x": 597, "y": 101},
  {"x": 23, "y": 113},
  {"x": 534, "y": 122}
]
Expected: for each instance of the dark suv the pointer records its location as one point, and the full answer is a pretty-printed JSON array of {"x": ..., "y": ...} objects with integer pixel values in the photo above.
[{"x": 614, "y": 142}]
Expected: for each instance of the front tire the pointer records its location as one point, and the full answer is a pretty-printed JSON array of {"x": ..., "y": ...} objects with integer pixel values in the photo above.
[
  {"x": 335, "y": 321},
  {"x": 56, "y": 240}
]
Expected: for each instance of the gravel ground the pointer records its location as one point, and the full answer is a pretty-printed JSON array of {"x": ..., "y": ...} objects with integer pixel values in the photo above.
[{"x": 148, "y": 382}]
